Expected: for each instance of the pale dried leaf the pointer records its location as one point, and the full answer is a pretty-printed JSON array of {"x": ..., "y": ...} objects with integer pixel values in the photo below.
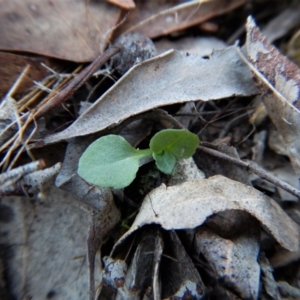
[
  {"x": 125, "y": 4},
  {"x": 188, "y": 205},
  {"x": 197, "y": 45},
  {"x": 185, "y": 170},
  {"x": 173, "y": 77},
  {"x": 279, "y": 82},
  {"x": 233, "y": 259}
]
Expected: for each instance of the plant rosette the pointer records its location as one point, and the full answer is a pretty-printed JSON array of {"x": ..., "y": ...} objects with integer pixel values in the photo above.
[{"x": 111, "y": 161}]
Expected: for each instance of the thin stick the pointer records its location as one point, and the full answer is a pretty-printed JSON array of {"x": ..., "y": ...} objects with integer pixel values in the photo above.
[
  {"x": 76, "y": 82},
  {"x": 255, "y": 168}
]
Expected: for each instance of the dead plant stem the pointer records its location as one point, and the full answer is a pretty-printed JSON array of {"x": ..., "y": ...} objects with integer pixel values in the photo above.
[
  {"x": 76, "y": 82},
  {"x": 255, "y": 168}
]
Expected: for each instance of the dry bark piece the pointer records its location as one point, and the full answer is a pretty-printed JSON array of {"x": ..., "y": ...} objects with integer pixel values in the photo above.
[
  {"x": 164, "y": 80},
  {"x": 188, "y": 205},
  {"x": 113, "y": 275},
  {"x": 142, "y": 276},
  {"x": 268, "y": 280},
  {"x": 279, "y": 83},
  {"x": 156, "y": 18},
  {"x": 29, "y": 183},
  {"x": 180, "y": 278},
  {"x": 141, "y": 279},
  {"x": 71, "y": 30}
]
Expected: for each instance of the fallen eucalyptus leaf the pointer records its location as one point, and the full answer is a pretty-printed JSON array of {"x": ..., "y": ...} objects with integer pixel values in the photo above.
[
  {"x": 279, "y": 82},
  {"x": 188, "y": 205},
  {"x": 44, "y": 243},
  {"x": 233, "y": 258},
  {"x": 172, "y": 77}
]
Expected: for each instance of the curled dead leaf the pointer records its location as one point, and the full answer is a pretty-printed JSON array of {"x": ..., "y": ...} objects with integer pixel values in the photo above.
[
  {"x": 279, "y": 83},
  {"x": 188, "y": 205}
]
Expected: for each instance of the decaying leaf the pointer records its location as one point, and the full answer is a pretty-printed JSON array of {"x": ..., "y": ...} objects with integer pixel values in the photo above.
[
  {"x": 188, "y": 205},
  {"x": 71, "y": 30},
  {"x": 125, "y": 4},
  {"x": 279, "y": 82},
  {"x": 43, "y": 246},
  {"x": 11, "y": 67},
  {"x": 173, "y": 77},
  {"x": 180, "y": 278},
  {"x": 156, "y": 18},
  {"x": 141, "y": 279},
  {"x": 142, "y": 273},
  {"x": 233, "y": 255}
]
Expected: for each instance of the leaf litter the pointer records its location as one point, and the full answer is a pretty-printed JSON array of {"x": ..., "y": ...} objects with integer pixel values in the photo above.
[{"x": 188, "y": 236}]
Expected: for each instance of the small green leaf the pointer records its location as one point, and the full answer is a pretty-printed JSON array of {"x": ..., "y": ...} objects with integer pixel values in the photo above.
[
  {"x": 180, "y": 142},
  {"x": 165, "y": 162},
  {"x": 110, "y": 161}
]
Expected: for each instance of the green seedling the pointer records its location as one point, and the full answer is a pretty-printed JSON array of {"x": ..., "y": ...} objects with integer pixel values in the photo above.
[{"x": 112, "y": 162}]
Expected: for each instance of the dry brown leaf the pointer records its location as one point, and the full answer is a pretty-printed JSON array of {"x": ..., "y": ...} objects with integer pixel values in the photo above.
[
  {"x": 125, "y": 4},
  {"x": 156, "y": 18},
  {"x": 188, "y": 205},
  {"x": 12, "y": 65},
  {"x": 279, "y": 82},
  {"x": 172, "y": 77},
  {"x": 69, "y": 29}
]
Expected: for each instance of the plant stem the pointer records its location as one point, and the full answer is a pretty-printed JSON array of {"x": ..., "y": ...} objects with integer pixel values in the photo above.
[{"x": 145, "y": 153}]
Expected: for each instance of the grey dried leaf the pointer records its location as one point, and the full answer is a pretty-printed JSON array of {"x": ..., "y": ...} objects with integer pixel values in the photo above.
[
  {"x": 185, "y": 170},
  {"x": 267, "y": 277},
  {"x": 165, "y": 79},
  {"x": 188, "y": 205},
  {"x": 45, "y": 239},
  {"x": 233, "y": 258},
  {"x": 279, "y": 83}
]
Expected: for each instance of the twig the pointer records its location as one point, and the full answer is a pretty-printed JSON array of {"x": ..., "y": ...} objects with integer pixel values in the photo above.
[
  {"x": 76, "y": 82},
  {"x": 17, "y": 173},
  {"x": 255, "y": 168}
]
